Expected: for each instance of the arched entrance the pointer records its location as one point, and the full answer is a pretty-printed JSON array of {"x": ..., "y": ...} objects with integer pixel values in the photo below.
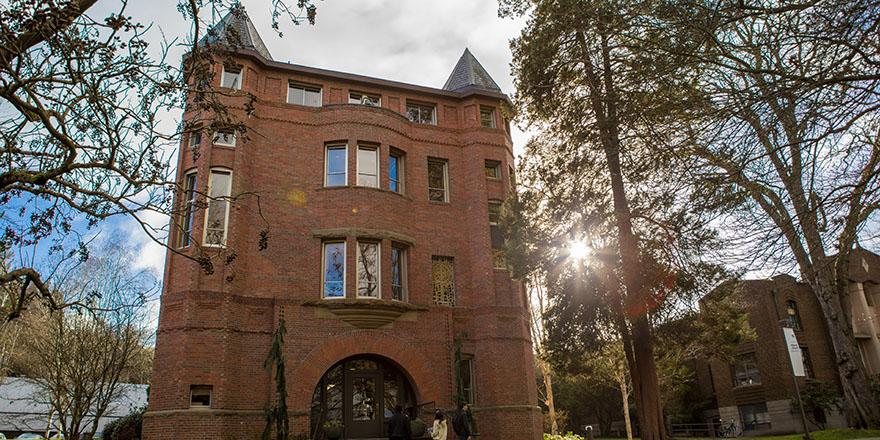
[{"x": 361, "y": 392}]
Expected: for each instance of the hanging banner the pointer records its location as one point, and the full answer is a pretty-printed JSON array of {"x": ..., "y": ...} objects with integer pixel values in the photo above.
[{"x": 794, "y": 352}]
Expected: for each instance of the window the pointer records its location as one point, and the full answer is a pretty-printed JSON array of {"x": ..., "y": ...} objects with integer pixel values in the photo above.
[
  {"x": 808, "y": 363},
  {"x": 745, "y": 370},
  {"x": 336, "y": 166},
  {"x": 364, "y": 99},
  {"x": 217, "y": 216},
  {"x": 368, "y": 166},
  {"x": 395, "y": 172},
  {"x": 231, "y": 77},
  {"x": 493, "y": 169},
  {"x": 443, "y": 280},
  {"x": 512, "y": 177},
  {"x": 195, "y": 139},
  {"x": 368, "y": 270},
  {"x": 333, "y": 272},
  {"x": 437, "y": 180},
  {"x": 188, "y": 212},
  {"x": 496, "y": 235},
  {"x": 200, "y": 396},
  {"x": 398, "y": 273},
  {"x": 487, "y": 116},
  {"x": 754, "y": 417},
  {"x": 466, "y": 375},
  {"x": 420, "y": 113},
  {"x": 304, "y": 95},
  {"x": 225, "y": 138},
  {"x": 793, "y": 317}
]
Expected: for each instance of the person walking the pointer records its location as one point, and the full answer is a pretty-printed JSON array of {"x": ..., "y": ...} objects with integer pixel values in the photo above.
[
  {"x": 439, "y": 430},
  {"x": 461, "y": 424},
  {"x": 398, "y": 425}
]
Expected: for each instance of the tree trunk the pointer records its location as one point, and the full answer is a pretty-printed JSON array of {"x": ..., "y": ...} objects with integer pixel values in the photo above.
[
  {"x": 548, "y": 386},
  {"x": 862, "y": 406},
  {"x": 624, "y": 396}
]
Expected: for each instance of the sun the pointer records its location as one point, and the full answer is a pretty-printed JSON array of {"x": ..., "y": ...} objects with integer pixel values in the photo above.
[{"x": 578, "y": 250}]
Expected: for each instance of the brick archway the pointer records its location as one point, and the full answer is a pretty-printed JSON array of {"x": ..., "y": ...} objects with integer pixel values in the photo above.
[{"x": 408, "y": 357}]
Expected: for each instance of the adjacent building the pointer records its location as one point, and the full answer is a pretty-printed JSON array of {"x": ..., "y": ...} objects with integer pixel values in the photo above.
[
  {"x": 757, "y": 390},
  {"x": 381, "y": 201}
]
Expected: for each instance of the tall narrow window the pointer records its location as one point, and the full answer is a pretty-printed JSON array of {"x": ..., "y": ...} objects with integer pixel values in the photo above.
[
  {"x": 188, "y": 212},
  {"x": 225, "y": 138},
  {"x": 497, "y": 237},
  {"x": 466, "y": 375},
  {"x": 437, "y": 180},
  {"x": 217, "y": 215},
  {"x": 195, "y": 139},
  {"x": 808, "y": 363},
  {"x": 333, "y": 271},
  {"x": 304, "y": 95},
  {"x": 368, "y": 270},
  {"x": 792, "y": 315},
  {"x": 231, "y": 77},
  {"x": 512, "y": 177},
  {"x": 443, "y": 280},
  {"x": 420, "y": 113},
  {"x": 368, "y": 166},
  {"x": 336, "y": 173},
  {"x": 395, "y": 172},
  {"x": 398, "y": 273},
  {"x": 487, "y": 116},
  {"x": 745, "y": 370}
]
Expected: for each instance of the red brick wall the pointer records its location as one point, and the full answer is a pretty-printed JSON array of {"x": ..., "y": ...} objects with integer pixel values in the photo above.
[{"x": 216, "y": 328}]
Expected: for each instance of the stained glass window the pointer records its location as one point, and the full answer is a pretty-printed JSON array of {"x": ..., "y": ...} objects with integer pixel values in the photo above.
[
  {"x": 334, "y": 270},
  {"x": 443, "y": 280}
]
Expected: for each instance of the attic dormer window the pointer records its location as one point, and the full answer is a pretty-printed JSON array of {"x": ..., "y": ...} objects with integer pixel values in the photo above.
[
  {"x": 231, "y": 77},
  {"x": 420, "y": 113}
]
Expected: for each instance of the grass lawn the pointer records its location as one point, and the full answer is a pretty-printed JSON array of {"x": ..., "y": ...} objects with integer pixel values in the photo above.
[{"x": 828, "y": 434}]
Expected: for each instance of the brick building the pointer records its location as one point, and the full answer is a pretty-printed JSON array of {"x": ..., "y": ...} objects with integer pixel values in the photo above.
[
  {"x": 380, "y": 199},
  {"x": 757, "y": 389}
]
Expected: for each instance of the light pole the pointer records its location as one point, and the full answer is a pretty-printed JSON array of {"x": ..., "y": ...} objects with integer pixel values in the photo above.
[{"x": 788, "y": 338}]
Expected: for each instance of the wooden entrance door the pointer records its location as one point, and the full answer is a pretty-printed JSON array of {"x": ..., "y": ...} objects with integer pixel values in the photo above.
[{"x": 363, "y": 409}]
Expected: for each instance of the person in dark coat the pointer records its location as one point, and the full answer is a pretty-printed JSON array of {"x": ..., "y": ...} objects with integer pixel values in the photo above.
[
  {"x": 461, "y": 424},
  {"x": 398, "y": 425}
]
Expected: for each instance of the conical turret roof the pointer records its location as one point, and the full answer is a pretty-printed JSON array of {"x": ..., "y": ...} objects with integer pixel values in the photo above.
[
  {"x": 468, "y": 72},
  {"x": 236, "y": 30}
]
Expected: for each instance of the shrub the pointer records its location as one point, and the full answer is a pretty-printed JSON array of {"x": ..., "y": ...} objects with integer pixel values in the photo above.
[
  {"x": 125, "y": 428},
  {"x": 567, "y": 436}
]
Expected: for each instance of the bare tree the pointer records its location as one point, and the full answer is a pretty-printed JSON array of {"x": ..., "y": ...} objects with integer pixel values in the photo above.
[
  {"x": 537, "y": 307},
  {"x": 82, "y": 359},
  {"x": 82, "y": 131}
]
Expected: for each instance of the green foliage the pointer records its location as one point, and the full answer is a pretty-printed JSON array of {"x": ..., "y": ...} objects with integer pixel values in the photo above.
[
  {"x": 125, "y": 428},
  {"x": 334, "y": 423},
  {"x": 817, "y": 396}
]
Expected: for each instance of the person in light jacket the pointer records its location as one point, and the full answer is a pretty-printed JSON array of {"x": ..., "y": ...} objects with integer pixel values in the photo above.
[{"x": 439, "y": 430}]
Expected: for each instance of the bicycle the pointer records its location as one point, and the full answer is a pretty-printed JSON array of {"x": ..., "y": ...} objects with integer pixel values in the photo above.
[{"x": 730, "y": 430}]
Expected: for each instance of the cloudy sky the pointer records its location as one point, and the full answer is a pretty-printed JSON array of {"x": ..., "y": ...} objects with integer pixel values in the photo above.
[{"x": 414, "y": 41}]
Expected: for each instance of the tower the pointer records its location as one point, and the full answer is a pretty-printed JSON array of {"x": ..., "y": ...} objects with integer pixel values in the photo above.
[{"x": 380, "y": 200}]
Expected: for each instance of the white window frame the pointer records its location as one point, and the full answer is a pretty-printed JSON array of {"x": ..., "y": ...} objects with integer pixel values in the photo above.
[
  {"x": 208, "y": 208},
  {"x": 327, "y": 164},
  {"x": 216, "y": 139},
  {"x": 492, "y": 122},
  {"x": 403, "y": 277},
  {"x": 445, "y": 180},
  {"x": 360, "y": 99},
  {"x": 240, "y": 78},
  {"x": 378, "y": 269},
  {"x": 304, "y": 87},
  {"x": 189, "y": 205},
  {"x": 376, "y": 150},
  {"x": 195, "y": 138},
  {"x": 432, "y": 121},
  {"x": 400, "y": 172},
  {"x": 324, "y": 269}
]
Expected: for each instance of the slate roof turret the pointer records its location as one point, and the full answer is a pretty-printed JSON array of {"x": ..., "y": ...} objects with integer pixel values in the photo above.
[
  {"x": 468, "y": 72},
  {"x": 236, "y": 30}
]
